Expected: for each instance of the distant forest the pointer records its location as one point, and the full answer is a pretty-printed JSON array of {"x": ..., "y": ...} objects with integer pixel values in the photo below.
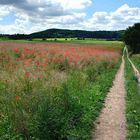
[{"x": 62, "y": 33}]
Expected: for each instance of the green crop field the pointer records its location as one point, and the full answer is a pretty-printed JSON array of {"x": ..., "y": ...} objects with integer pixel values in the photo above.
[{"x": 71, "y": 41}]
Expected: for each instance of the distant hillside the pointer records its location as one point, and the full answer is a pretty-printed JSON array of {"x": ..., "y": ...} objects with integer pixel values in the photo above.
[{"x": 64, "y": 33}]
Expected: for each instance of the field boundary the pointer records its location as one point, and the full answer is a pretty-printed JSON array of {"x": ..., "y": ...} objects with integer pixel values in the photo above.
[{"x": 136, "y": 71}]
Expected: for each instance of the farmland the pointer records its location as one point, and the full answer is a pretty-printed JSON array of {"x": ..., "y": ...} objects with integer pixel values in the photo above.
[
  {"x": 68, "y": 40},
  {"x": 54, "y": 90}
]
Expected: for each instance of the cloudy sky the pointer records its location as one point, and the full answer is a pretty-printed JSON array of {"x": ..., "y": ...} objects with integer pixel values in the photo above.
[{"x": 26, "y": 16}]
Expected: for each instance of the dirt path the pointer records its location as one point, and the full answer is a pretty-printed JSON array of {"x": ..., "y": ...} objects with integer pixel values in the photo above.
[{"x": 111, "y": 124}]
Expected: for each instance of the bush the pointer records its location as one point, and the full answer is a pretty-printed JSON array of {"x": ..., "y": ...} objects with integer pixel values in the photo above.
[
  {"x": 44, "y": 39},
  {"x": 132, "y": 38}
]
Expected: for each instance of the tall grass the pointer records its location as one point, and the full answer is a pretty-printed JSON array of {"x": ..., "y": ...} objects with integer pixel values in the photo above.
[
  {"x": 132, "y": 104},
  {"x": 136, "y": 60},
  {"x": 57, "y": 103}
]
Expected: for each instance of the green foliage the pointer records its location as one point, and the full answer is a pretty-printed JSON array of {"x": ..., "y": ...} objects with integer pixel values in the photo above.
[
  {"x": 132, "y": 38},
  {"x": 132, "y": 104},
  {"x": 74, "y": 107}
]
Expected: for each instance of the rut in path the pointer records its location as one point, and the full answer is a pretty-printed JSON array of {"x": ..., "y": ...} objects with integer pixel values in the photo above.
[{"x": 111, "y": 124}]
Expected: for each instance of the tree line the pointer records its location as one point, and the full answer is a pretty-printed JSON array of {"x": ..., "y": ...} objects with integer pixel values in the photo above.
[
  {"x": 62, "y": 33},
  {"x": 132, "y": 38}
]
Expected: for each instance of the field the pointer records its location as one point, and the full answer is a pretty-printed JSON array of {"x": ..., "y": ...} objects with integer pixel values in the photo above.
[
  {"x": 54, "y": 91},
  {"x": 69, "y": 41}
]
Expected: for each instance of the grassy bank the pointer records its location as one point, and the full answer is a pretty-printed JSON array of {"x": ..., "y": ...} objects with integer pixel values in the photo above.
[{"x": 133, "y": 104}]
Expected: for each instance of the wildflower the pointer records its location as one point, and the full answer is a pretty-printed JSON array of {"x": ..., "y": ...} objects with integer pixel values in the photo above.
[
  {"x": 27, "y": 74},
  {"x": 18, "y": 98},
  {"x": 27, "y": 62},
  {"x": 16, "y": 50},
  {"x": 3, "y": 56}
]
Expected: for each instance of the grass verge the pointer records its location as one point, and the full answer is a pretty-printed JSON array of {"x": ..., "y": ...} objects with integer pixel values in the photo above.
[
  {"x": 136, "y": 60},
  {"x": 132, "y": 103}
]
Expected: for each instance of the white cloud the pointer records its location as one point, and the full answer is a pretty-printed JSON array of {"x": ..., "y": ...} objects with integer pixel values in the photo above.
[
  {"x": 4, "y": 10},
  {"x": 42, "y": 14},
  {"x": 11, "y": 29},
  {"x": 120, "y": 19},
  {"x": 36, "y": 15},
  {"x": 99, "y": 18},
  {"x": 74, "y": 4}
]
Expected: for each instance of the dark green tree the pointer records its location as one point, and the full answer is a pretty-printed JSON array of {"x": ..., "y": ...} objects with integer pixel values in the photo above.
[{"x": 132, "y": 38}]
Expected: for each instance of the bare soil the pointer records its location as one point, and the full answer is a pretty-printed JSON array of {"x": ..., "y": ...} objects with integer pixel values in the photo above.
[{"x": 111, "y": 124}]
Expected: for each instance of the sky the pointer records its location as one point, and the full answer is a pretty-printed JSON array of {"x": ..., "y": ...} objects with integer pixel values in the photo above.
[{"x": 27, "y": 16}]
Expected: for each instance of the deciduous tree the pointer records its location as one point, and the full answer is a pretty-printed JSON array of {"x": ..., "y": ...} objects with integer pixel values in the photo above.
[{"x": 132, "y": 38}]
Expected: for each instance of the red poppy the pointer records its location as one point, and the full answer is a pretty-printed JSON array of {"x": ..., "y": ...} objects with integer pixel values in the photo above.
[
  {"x": 18, "y": 98},
  {"x": 16, "y": 50},
  {"x": 27, "y": 74}
]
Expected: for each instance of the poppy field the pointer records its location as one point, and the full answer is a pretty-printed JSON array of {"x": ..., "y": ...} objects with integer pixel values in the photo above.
[{"x": 53, "y": 91}]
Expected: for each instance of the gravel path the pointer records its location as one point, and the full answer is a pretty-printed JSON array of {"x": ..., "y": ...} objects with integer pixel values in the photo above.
[{"x": 111, "y": 124}]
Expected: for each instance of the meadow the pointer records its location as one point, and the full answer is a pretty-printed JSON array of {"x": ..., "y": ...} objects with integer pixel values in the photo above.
[{"x": 54, "y": 91}]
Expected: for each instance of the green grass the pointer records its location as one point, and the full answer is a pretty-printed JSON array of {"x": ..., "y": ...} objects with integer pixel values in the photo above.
[
  {"x": 132, "y": 104},
  {"x": 136, "y": 60},
  {"x": 73, "y": 41},
  {"x": 83, "y": 101}
]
